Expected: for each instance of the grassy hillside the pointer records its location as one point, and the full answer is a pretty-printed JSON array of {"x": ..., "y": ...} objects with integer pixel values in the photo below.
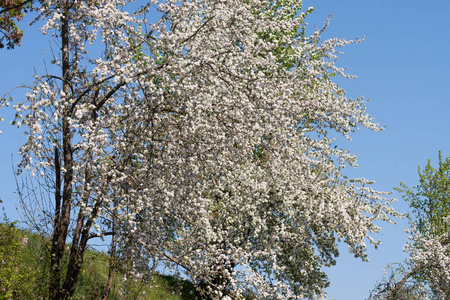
[{"x": 24, "y": 269}]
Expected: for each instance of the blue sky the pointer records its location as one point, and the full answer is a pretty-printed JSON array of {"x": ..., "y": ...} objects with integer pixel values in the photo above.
[{"x": 402, "y": 66}]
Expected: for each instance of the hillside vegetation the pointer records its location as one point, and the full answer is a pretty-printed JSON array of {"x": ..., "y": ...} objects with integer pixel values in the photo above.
[{"x": 24, "y": 273}]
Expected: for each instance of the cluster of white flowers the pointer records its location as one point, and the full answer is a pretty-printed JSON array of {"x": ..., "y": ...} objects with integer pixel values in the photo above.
[
  {"x": 431, "y": 256},
  {"x": 205, "y": 134}
]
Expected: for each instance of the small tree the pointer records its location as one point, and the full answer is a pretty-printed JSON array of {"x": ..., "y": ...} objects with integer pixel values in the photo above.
[
  {"x": 67, "y": 137},
  {"x": 430, "y": 200},
  {"x": 429, "y": 245}
]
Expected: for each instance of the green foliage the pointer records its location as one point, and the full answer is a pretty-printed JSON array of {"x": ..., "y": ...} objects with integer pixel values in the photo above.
[
  {"x": 11, "y": 12},
  {"x": 282, "y": 51},
  {"x": 25, "y": 265},
  {"x": 430, "y": 200},
  {"x": 430, "y": 203},
  {"x": 94, "y": 274},
  {"x": 18, "y": 273}
]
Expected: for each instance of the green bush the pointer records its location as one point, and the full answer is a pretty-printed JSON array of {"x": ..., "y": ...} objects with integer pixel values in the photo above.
[{"x": 17, "y": 275}]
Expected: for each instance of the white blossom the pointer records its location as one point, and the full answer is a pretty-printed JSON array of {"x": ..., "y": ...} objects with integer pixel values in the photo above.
[{"x": 208, "y": 132}]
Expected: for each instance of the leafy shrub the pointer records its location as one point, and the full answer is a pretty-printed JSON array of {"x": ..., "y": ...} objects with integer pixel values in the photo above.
[{"x": 16, "y": 274}]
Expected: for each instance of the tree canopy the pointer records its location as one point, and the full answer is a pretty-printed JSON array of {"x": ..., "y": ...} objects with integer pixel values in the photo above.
[
  {"x": 12, "y": 11},
  {"x": 199, "y": 135}
]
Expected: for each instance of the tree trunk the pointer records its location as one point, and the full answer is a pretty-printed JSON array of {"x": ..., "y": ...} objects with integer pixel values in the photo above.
[
  {"x": 62, "y": 212},
  {"x": 112, "y": 259}
]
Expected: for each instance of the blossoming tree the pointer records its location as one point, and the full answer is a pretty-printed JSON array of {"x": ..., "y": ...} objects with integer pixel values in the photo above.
[
  {"x": 199, "y": 133},
  {"x": 428, "y": 268}
]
